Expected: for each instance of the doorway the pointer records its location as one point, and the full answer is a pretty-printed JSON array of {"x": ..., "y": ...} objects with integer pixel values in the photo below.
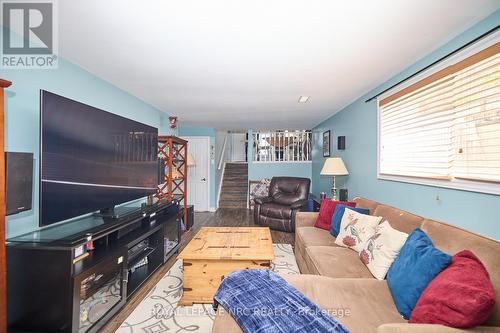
[
  {"x": 198, "y": 177},
  {"x": 238, "y": 147}
]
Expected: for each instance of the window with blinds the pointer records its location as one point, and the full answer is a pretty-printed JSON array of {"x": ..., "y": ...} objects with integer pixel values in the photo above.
[{"x": 447, "y": 125}]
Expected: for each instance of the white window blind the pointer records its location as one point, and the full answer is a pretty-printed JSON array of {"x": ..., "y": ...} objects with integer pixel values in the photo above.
[{"x": 446, "y": 126}]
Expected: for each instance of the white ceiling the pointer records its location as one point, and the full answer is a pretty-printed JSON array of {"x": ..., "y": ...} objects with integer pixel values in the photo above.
[{"x": 244, "y": 64}]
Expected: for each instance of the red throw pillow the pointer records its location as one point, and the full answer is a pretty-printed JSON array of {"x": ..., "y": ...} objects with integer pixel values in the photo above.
[
  {"x": 324, "y": 220},
  {"x": 460, "y": 296}
]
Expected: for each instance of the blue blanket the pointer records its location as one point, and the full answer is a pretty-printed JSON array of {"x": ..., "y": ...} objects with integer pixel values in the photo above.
[{"x": 261, "y": 301}]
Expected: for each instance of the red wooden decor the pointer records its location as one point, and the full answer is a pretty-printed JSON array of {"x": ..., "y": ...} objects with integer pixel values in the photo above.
[
  {"x": 173, "y": 151},
  {"x": 3, "y": 285}
]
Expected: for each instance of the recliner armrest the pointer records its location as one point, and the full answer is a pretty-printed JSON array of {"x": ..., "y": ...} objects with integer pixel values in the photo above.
[
  {"x": 298, "y": 204},
  {"x": 262, "y": 200}
]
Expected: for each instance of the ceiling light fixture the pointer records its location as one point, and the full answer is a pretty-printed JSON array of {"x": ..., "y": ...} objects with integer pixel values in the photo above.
[{"x": 303, "y": 99}]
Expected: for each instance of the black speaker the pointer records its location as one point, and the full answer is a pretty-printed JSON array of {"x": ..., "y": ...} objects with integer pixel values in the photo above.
[
  {"x": 341, "y": 143},
  {"x": 161, "y": 171},
  {"x": 18, "y": 182},
  {"x": 343, "y": 196},
  {"x": 190, "y": 216}
]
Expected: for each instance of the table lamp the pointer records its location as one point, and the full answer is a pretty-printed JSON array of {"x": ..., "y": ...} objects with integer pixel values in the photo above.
[
  {"x": 334, "y": 166},
  {"x": 190, "y": 160}
]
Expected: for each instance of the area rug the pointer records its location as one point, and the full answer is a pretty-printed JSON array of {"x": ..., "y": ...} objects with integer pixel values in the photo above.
[{"x": 158, "y": 312}]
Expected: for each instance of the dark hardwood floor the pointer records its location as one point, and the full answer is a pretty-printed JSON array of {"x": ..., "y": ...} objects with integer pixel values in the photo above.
[{"x": 223, "y": 217}]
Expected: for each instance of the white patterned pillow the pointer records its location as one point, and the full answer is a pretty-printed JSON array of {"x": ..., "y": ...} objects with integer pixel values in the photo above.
[
  {"x": 355, "y": 229},
  {"x": 380, "y": 250}
]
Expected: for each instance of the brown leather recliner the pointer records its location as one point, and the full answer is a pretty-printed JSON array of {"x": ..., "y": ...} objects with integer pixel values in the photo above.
[{"x": 287, "y": 196}]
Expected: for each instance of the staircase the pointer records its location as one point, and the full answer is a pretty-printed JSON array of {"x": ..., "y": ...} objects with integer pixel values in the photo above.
[{"x": 234, "y": 188}]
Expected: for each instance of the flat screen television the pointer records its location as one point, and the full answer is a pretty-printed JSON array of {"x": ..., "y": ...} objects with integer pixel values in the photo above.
[{"x": 91, "y": 160}]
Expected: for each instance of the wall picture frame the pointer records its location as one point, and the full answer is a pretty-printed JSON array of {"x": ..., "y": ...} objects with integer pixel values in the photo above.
[{"x": 326, "y": 143}]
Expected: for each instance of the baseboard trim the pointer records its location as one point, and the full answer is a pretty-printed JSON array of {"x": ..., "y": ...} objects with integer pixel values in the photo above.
[{"x": 212, "y": 209}]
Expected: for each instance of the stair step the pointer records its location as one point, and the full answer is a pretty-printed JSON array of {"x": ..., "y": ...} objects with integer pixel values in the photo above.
[
  {"x": 237, "y": 190},
  {"x": 237, "y": 164},
  {"x": 239, "y": 182},
  {"x": 230, "y": 185},
  {"x": 233, "y": 196},
  {"x": 229, "y": 198},
  {"x": 236, "y": 177},
  {"x": 234, "y": 190},
  {"x": 242, "y": 181},
  {"x": 233, "y": 199},
  {"x": 243, "y": 173},
  {"x": 232, "y": 206}
]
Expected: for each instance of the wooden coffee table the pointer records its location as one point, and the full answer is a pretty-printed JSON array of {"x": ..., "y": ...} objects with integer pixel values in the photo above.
[{"x": 215, "y": 252}]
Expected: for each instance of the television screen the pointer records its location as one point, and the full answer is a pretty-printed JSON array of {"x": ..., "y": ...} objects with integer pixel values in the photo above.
[{"x": 91, "y": 159}]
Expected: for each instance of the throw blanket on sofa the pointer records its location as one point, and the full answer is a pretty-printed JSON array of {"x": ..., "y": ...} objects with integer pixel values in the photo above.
[{"x": 261, "y": 301}]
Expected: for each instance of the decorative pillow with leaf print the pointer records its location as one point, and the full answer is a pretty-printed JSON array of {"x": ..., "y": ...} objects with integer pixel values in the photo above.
[
  {"x": 381, "y": 249},
  {"x": 355, "y": 229}
]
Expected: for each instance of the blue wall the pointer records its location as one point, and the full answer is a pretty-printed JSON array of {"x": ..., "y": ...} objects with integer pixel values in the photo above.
[
  {"x": 358, "y": 122},
  {"x": 69, "y": 80},
  {"x": 205, "y": 131},
  {"x": 258, "y": 171}
]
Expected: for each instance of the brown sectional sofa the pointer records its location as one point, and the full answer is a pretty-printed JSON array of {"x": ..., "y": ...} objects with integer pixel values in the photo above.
[{"x": 335, "y": 279}]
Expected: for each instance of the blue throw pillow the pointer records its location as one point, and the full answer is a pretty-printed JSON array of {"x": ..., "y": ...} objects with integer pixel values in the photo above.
[
  {"x": 337, "y": 217},
  {"x": 416, "y": 266}
]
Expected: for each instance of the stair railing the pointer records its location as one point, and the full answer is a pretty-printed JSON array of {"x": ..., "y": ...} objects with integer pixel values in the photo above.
[
  {"x": 222, "y": 165},
  {"x": 282, "y": 146},
  {"x": 222, "y": 153}
]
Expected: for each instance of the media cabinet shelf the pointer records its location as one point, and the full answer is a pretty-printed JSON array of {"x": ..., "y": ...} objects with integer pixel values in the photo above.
[
  {"x": 49, "y": 292},
  {"x": 138, "y": 278}
]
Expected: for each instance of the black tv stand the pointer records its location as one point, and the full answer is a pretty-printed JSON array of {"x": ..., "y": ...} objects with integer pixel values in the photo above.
[
  {"x": 55, "y": 275},
  {"x": 118, "y": 212}
]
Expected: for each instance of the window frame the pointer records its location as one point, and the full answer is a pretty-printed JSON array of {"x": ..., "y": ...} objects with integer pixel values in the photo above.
[{"x": 455, "y": 183}]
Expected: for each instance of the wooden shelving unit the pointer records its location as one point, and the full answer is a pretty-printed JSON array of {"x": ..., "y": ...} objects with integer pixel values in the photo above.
[
  {"x": 3, "y": 288},
  {"x": 173, "y": 151}
]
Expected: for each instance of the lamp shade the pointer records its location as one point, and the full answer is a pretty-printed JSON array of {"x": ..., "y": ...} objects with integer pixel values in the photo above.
[
  {"x": 190, "y": 160},
  {"x": 334, "y": 166}
]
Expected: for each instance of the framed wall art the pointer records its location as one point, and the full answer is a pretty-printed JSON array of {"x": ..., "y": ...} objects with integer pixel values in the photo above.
[{"x": 326, "y": 143}]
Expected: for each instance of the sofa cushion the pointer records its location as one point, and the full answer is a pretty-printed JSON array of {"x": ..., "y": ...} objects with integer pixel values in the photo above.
[
  {"x": 338, "y": 214},
  {"x": 305, "y": 219},
  {"x": 360, "y": 304},
  {"x": 399, "y": 219},
  {"x": 356, "y": 229},
  {"x": 417, "y": 264},
  {"x": 451, "y": 240},
  {"x": 310, "y": 236},
  {"x": 380, "y": 250},
  {"x": 365, "y": 203},
  {"x": 460, "y": 296},
  {"x": 335, "y": 262},
  {"x": 326, "y": 210}
]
